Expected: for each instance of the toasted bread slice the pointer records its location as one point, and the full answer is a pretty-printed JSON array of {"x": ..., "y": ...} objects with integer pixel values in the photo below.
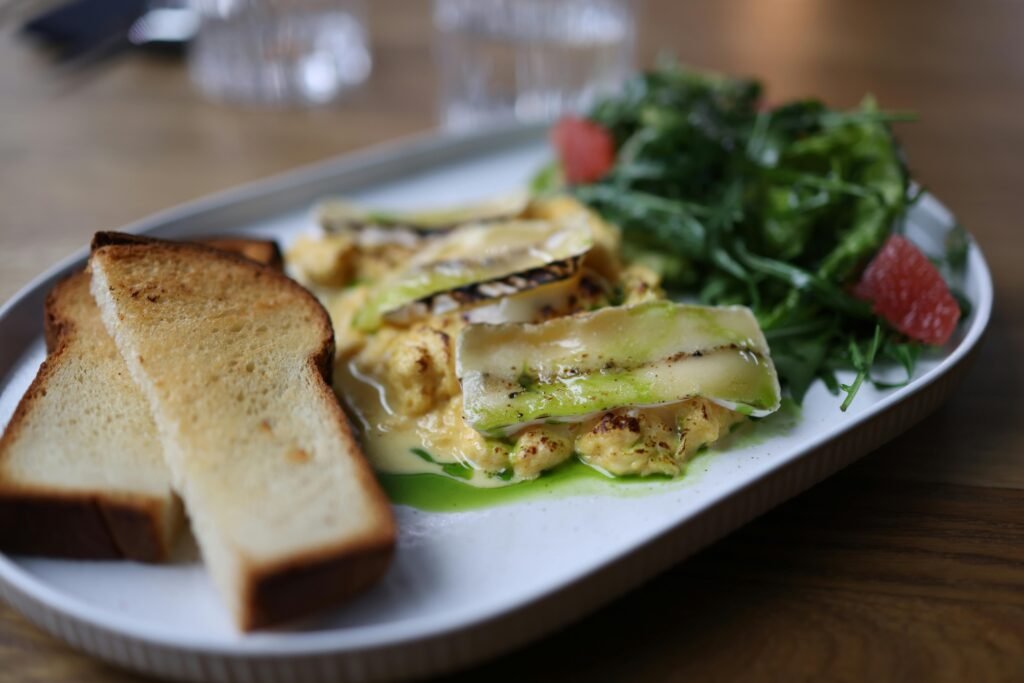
[
  {"x": 232, "y": 358},
  {"x": 261, "y": 251},
  {"x": 81, "y": 468}
]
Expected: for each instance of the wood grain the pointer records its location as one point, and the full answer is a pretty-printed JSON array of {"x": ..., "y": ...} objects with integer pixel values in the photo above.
[{"x": 907, "y": 566}]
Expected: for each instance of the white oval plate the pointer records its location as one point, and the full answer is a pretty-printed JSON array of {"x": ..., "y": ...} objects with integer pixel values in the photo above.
[{"x": 464, "y": 586}]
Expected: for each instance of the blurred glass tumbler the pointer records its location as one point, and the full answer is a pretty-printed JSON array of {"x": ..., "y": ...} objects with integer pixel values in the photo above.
[
  {"x": 284, "y": 52},
  {"x": 529, "y": 59}
]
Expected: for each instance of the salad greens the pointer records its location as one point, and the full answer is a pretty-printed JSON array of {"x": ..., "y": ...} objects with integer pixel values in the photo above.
[{"x": 778, "y": 209}]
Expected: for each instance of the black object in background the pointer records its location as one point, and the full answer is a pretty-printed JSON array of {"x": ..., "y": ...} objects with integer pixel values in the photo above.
[{"x": 86, "y": 29}]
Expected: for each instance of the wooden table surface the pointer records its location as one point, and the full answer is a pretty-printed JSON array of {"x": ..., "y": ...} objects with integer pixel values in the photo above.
[{"x": 906, "y": 566}]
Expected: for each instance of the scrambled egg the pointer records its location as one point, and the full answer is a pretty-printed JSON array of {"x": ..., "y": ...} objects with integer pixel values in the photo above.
[
  {"x": 338, "y": 260},
  {"x": 412, "y": 368},
  {"x": 653, "y": 440}
]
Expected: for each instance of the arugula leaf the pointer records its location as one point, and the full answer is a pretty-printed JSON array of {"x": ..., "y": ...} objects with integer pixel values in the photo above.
[
  {"x": 903, "y": 353},
  {"x": 459, "y": 470},
  {"x": 799, "y": 361},
  {"x": 825, "y": 291},
  {"x": 862, "y": 364},
  {"x": 778, "y": 209},
  {"x": 546, "y": 180},
  {"x": 963, "y": 302},
  {"x": 958, "y": 244},
  {"x": 453, "y": 469}
]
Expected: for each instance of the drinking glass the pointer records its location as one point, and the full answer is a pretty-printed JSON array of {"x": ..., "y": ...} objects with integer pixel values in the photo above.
[
  {"x": 297, "y": 52},
  {"x": 528, "y": 59}
]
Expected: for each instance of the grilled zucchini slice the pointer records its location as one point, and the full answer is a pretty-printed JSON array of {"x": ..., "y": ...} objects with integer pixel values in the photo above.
[
  {"x": 474, "y": 264},
  {"x": 339, "y": 215},
  {"x": 649, "y": 354}
]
